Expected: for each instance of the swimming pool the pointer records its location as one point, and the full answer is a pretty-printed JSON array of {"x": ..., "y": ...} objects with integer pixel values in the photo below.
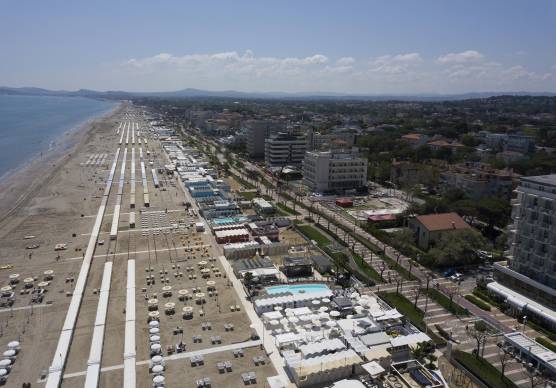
[
  {"x": 298, "y": 288},
  {"x": 229, "y": 220}
]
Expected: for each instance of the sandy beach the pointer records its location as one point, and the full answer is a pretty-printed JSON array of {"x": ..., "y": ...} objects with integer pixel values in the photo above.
[
  {"x": 20, "y": 186},
  {"x": 45, "y": 200}
]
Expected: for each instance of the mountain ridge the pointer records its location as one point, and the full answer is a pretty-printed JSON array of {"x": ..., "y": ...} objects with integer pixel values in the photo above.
[{"x": 200, "y": 93}]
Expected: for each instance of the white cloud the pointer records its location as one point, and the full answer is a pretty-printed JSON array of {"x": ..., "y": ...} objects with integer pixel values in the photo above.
[
  {"x": 393, "y": 73},
  {"x": 468, "y": 56},
  {"x": 345, "y": 61},
  {"x": 395, "y": 64}
]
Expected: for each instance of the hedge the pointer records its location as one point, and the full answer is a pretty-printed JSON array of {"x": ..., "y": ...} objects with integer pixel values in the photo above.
[
  {"x": 483, "y": 370},
  {"x": 445, "y": 302},
  {"x": 478, "y": 302}
]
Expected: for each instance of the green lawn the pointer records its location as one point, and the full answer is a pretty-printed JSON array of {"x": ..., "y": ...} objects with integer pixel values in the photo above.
[
  {"x": 483, "y": 370},
  {"x": 287, "y": 209},
  {"x": 248, "y": 195},
  {"x": 313, "y": 234},
  {"x": 445, "y": 302}
]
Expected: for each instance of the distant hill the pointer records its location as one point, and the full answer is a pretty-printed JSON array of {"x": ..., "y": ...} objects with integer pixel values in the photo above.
[{"x": 192, "y": 93}]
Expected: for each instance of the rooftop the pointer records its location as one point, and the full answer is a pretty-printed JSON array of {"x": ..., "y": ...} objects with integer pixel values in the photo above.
[
  {"x": 443, "y": 221},
  {"x": 549, "y": 180}
]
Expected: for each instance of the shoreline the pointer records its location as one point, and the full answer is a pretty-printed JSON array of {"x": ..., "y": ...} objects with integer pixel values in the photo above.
[
  {"x": 62, "y": 142},
  {"x": 19, "y": 185}
]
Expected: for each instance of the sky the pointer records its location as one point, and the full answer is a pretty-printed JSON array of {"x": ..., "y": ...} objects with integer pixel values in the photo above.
[{"x": 359, "y": 47}]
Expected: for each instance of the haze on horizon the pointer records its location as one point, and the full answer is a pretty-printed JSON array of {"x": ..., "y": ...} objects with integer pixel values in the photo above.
[{"x": 374, "y": 47}]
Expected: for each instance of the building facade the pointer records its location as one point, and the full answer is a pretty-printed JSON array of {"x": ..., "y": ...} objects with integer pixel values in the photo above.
[
  {"x": 283, "y": 149},
  {"x": 533, "y": 250},
  {"x": 257, "y": 132},
  {"x": 320, "y": 141},
  {"x": 429, "y": 228},
  {"x": 478, "y": 180},
  {"x": 334, "y": 170}
]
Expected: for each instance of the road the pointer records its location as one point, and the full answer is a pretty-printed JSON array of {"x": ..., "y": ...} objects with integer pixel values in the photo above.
[{"x": 420, "y": 272}]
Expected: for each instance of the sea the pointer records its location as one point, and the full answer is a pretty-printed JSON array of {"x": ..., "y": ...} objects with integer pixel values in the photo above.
[{"x": 30, "y": 126}]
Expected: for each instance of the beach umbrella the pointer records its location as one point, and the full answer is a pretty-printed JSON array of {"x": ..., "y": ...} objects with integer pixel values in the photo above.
[
  {"x": 330, "y": 323},
  {"x": 156, "y": 360},
  {"x": 324, "y": 315},
  {"x": 323, "y": 308},
  {"x": 305, "y": 318},
  {"x": 6, "y": 289},
  {"x": 42, "y": 284},
  {"x": 274, "y": 322},
  {"x": 9, "y": 353},
  {"x": 335, "y": 314},
  {"x": 277, "y": 308},
  {"x": 293, "y": 319},
  {"x": 325, "y": 300},
  {"x": 315, "y": 302}
]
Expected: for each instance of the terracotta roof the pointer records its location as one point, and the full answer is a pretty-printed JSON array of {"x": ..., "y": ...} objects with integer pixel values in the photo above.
[
  {"x": 443, "y": 221},
  {"x": 412, "y": 136},
  {"x": 444, "y": 143}
]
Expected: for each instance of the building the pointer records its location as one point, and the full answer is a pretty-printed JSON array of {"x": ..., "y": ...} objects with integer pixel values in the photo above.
[
  {"x": 334, "y": 170},
  {"x": 446, "y": 145},
  {"x": 257, "y": 132},
  {"x": 478, "y": 180},
  {"x": 262, "y": 206},
  {"x": 428, "y": 228},
  {"x": 297, "y": 266},
  {"x": 284, "y": 149},
  {"x": 261, "y": 268},
  {"x": 322, "y": 141},
  {"x": 532, "y": 263},
  {"x": 509, "y": 142},
  {"x": 415, "y": 140},
  {"x": 231, "y": 236}
]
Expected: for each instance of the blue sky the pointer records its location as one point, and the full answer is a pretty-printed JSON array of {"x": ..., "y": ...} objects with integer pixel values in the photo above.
[{"x": 337, "y": 46}]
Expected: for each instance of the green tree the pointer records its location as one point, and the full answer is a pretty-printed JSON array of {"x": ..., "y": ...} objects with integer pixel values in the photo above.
[{"x": 457, "y": 247}]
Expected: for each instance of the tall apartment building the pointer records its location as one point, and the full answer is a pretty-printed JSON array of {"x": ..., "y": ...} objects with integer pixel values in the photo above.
[
  {"x": 257, "y": 132},
  {"x": 320, "y": 141},
  {"x": 531, "y": 268},
  {"x": 284, "y": 149},
  {"x": 334, "y": 170}
]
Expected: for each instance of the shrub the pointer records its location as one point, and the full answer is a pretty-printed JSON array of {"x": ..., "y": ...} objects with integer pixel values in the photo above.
[{"x": 478, "y": 302}]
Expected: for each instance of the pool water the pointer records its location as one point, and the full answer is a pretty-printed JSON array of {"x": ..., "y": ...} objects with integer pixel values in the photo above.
[
  {"x": 296, "y": 289},
  {"x": 228, "y": 220}
]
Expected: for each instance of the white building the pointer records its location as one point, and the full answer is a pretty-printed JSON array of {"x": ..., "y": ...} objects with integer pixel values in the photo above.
[
  {"x": 320, "y": 141},
  {"x": 334, "y": 170},
  {"x": 284, "y": 149},
  {"x": 534, "y": 244}
]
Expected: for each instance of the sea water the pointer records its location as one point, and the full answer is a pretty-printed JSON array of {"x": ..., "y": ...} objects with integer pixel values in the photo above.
[{"x": 31, "y": 125}]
